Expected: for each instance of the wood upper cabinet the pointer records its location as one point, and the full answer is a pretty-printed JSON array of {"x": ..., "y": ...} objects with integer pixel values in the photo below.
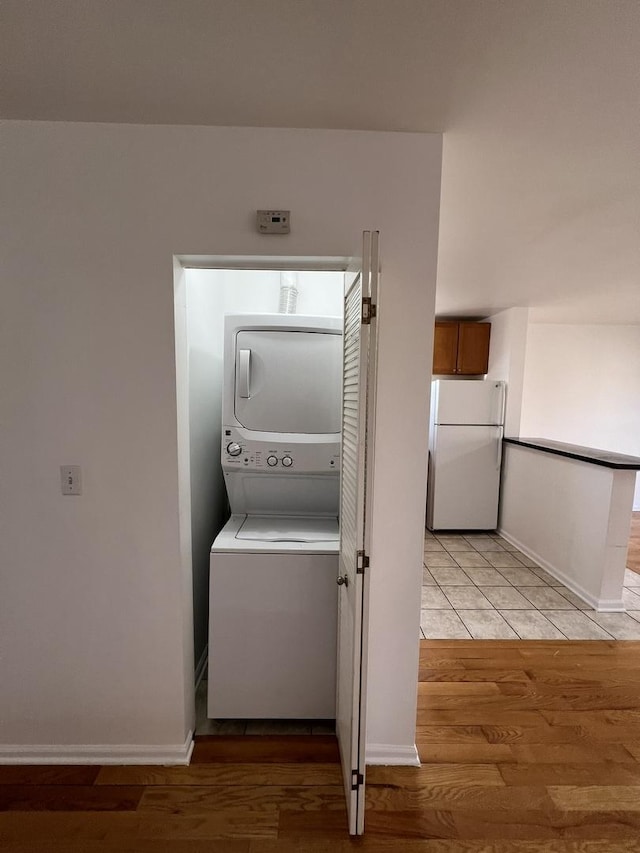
[
  {"x": 445, "y": 347},
  {"x": 461, "y": 348}
]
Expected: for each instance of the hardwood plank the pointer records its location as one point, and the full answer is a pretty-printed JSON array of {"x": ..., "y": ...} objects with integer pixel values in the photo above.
[
  {"x": 407, "y": 824},
  {"x": 508, "y": 659},
  {"x": 107, "y": 827},
  {"x": 129, "y": 845},
  {"x": 568, "y": 648},
  {"x": 559, "y": 753},
  {"x": 264, "y": 748},
  {"x": 440, "y": 845},
  {"x": 536, "y": 734},
  {"x": 610, "y": 825},
  {"x": 500, "y": 703},
  {"x": 230, "y": 823},
  {"x": 610, "y": 733},
  {"x": 223, "y": 774},
  {"x": 195, "y": 800},
  {"x": 582, "y": 675},
  {"x": 538, "y": 825},
  {"x": 570, "y": 774},
  {"x": 450, "y": 734},
  {"x": 588, "y": 717},
  {"x": 521, "y": 824},
  {"x": 459, "y": 798},
  {"x": 474, "y": 716},
  {"x": 464, "y": 753},
  {"x": 577, "y": 697},
  {"x": 569, "y": 653},
  {"x": 452, "y": 674},
  {"x": 467, "y": 658},
  {"x": 632, "y": 747},
  {"x": 522, "y": 651},
  {"x": 598, "y": 666},
  {"x": 324, "y": 824},
  {"x": 623, "y": 716},
  {"x": 516, "y": 697},
  {"x": 457, "y": 688},
  {"x": 112, "y": 828},
  {"x": 596, "y": 798},
  {"x": 488, "y": 648},
  {"x": 452, "y": 775},
  {"x": 32, "y": 774},
  {"x": 47, "y": 798}
]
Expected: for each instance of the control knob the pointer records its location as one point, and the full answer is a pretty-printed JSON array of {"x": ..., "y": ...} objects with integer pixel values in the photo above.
[
  {"x": 234, "y": 449},
  {"x": 272, "y": 460},
  {"x": 287, "y": 461}
]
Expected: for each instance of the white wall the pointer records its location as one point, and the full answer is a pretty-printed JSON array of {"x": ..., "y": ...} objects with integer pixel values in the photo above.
[
  {"x": 96, "y": 590},
  {"x": 507, "y": 359},
  {"x": 582, "y": 385},
  {"x": 208, "y": 500},
  {"x": 210, "y": 295}
]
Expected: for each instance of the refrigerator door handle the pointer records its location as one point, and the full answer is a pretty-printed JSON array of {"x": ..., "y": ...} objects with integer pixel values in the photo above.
[
  {"x": 502, "y": 403},
  {"x": 499, "y": 448}
]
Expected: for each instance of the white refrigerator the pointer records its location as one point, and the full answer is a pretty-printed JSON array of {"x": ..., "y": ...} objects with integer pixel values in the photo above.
[{"x": 465, "y": 454}]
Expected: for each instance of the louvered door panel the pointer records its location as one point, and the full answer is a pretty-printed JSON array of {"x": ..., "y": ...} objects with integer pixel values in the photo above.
[
  {"x": 350, "y": 421},
  {"x": 357, "y": 446}
]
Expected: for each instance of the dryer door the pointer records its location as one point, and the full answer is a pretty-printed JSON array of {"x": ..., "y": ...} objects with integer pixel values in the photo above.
[{"x": 288, "y": 382}]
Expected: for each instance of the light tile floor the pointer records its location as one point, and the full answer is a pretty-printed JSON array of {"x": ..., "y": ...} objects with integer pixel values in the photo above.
[{"x": 481, "y": 587}]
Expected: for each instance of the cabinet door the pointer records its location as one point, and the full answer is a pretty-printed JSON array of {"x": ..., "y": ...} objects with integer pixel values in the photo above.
[
  {"x": 445, "y": 348},
  {"x": 473, "y": 348}
]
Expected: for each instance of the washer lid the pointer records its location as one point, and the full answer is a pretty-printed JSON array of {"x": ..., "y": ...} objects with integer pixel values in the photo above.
[{"x": 283, "y": 528}]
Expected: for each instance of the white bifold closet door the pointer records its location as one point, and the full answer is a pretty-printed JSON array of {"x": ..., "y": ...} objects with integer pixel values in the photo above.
[{"x": 358, "y": 408}]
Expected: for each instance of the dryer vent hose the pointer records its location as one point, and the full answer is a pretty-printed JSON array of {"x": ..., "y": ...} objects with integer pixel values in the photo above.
[{"x": 288, "y": 292}]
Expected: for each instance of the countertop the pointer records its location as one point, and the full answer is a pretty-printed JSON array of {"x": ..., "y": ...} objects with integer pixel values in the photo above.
[{"x": 605, "y": 458}]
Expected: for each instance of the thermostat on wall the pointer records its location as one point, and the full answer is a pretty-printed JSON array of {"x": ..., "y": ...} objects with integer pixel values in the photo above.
[{"x": 273, "y": 221}]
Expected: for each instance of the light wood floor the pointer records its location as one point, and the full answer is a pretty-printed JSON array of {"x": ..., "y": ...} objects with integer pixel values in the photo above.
[
  {"x": 525, "y": 746},
  {"x": 633, "y": 554}
]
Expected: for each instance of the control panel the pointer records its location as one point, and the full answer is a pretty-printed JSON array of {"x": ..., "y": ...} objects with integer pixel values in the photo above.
[{"x": 277, "y": 456}]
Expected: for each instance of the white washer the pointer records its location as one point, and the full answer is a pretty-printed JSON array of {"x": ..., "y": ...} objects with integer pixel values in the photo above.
[{"x": 273, "y": 618}]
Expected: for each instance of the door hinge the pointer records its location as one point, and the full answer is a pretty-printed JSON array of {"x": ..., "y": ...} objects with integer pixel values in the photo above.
[
  {"x": 357, "y": 779},
  {"x": 368, "y": 310},
  {"x": 362, "y": 562}
]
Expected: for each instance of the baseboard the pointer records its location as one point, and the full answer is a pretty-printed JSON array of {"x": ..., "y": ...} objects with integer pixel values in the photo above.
[
  {"x": 390, "y": 753},
  {"x": 201, "y": 668},
  {"x": 605, "y": 605},
  {"x": 97, "y": 753}
]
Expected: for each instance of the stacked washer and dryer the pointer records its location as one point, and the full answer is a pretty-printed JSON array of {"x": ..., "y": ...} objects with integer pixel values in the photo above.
[{"x": 273, "y": 569}]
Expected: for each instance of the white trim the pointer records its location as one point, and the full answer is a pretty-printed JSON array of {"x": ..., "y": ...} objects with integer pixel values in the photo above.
[
  {"x": 391, "y": 753},
  {"x": 602, "y": 605},
  {"x": 201, "y": 668},
  {"x": 302, "y": 263},
  {"x": 97, "y": 753}
]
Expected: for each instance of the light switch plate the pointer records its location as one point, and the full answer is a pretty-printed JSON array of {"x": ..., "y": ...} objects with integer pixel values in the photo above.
[{"x": 70, "y": 480}]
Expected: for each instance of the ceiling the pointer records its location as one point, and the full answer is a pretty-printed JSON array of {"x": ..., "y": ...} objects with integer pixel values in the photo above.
[{"x": 539, "y": 102}]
